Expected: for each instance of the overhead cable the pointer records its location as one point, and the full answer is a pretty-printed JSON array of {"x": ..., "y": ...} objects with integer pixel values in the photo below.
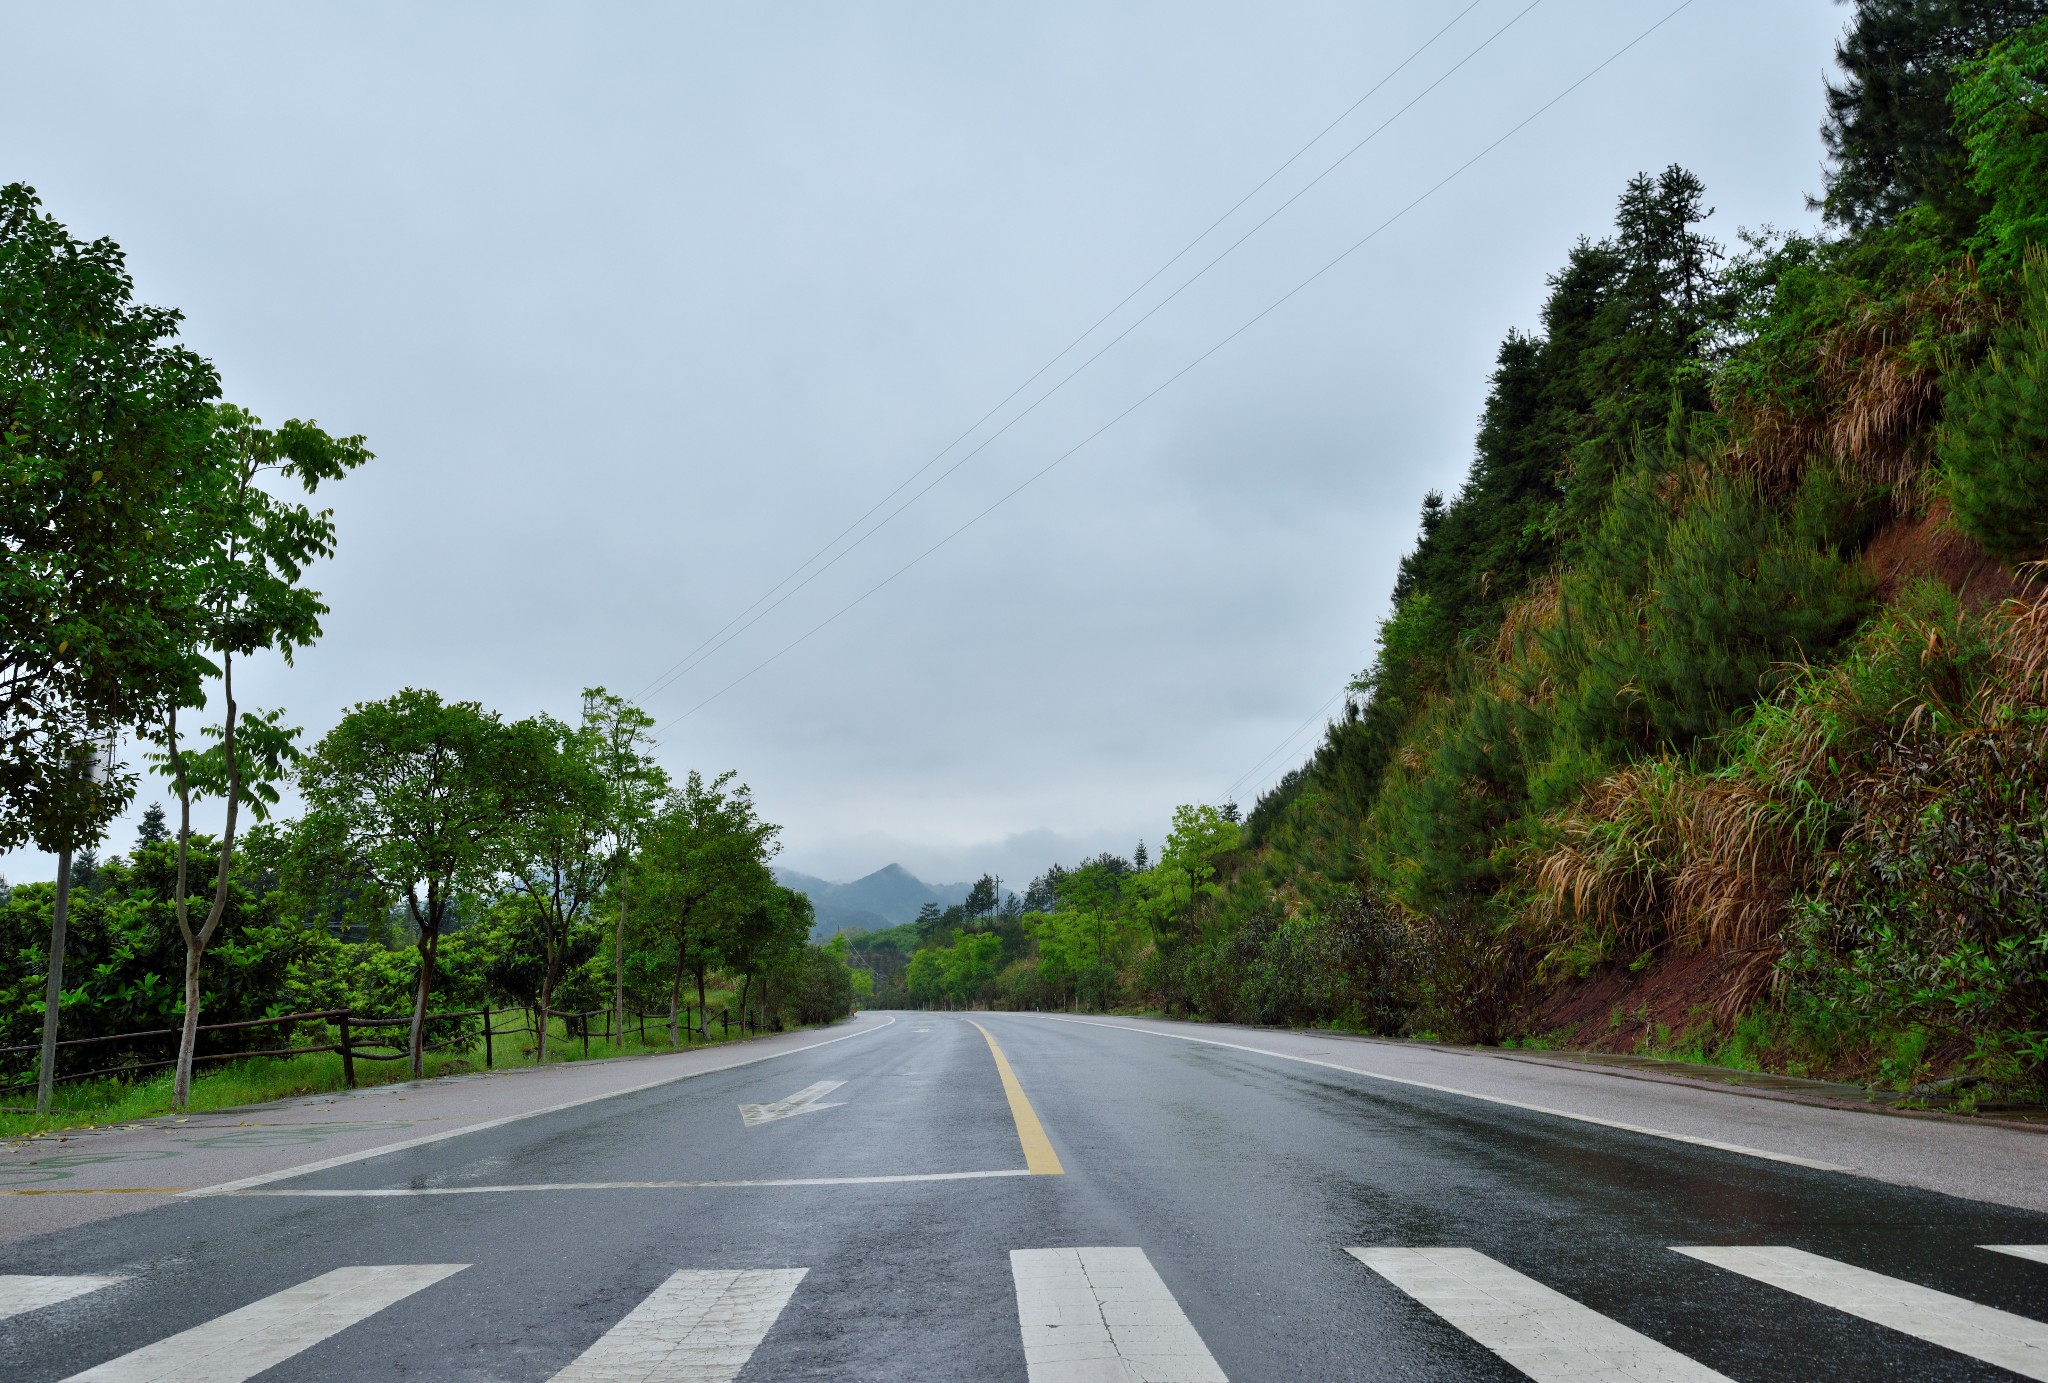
[
  {"x": 1177, "y": 375},
  {"x": 754, "y": 612}
]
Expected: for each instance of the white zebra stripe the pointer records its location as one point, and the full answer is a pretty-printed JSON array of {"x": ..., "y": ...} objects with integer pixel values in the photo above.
[
  {"x": 2036, "y": 1252},
  {"x": 20, "y": 1292},
  {"x": 1104, "y": 1316},
  {"x": 1981, "y": 1332},
  {"x": 263, "y": 1334},
  {"x": 1544, "y": 1333},
  {"x": 697, "y": 1327}
]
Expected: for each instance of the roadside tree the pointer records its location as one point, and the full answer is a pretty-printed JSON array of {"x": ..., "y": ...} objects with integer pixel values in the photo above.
[{"x": 422, "y": 797}]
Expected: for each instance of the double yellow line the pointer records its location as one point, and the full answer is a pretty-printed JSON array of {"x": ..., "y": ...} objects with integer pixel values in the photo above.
[{"x": 1039, "y": 1158}]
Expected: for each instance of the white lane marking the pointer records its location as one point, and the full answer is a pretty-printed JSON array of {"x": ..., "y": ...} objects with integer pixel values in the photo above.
[
  {"x": 1102, "y": 1316},
  {"x": 21, "y": 1292},
  {"x": 1981, "y": 1332},
  {"x": 1714, "y": 1143},
  {"x": 697, "y": 1327},
  {"x": 2037, "y": 1252},
  {"x": 263, "y": 1334},
  {"x": 376, "y": 1191},
  {"x": 306, "y": 1169},
  {"x": 1544, "y": 1333},
  {"x": 804, "y": 1101}
]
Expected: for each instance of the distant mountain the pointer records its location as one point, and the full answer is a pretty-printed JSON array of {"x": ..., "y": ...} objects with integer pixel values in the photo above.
[{"x": 888, "y": 897}]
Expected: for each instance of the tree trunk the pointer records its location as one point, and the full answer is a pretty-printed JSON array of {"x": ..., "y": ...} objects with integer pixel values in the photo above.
[
  {"x": 429, "y": 945},
  {"x": 675, "y": 999},
  {"x": 195, "y": 945},
  {"x": 188, "y": 1035},
  {"x": 46, "y": 1075},
  {"x": 619, "y": 964},
  {"x": 746, "y": 985},
  {"x": 703, "y": 1018},
  {"x": 547, "y": 1006}
]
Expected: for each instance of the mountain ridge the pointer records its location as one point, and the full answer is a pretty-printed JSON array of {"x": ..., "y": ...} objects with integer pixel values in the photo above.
[{"x": 889, "y": 897}]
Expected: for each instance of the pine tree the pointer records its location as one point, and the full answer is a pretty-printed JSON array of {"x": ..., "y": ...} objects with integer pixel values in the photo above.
[
  {"x": 153, "y": 830},
  {"x": 1888, "y": 129}
]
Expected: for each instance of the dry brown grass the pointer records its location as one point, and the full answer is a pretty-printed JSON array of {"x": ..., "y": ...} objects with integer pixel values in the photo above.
[
  {"x": 1662, "y": 854},
  {"x": 1877, "y": 390}
]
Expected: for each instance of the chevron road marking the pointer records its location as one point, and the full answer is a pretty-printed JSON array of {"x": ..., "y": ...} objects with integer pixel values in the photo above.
[
  {"x": 19, "y": 1292},
  {"x": 2037, "y": 1252},
  {"x": 263, "y": 1334},
  {"x": 1104, "y": 1316},
  {"x": 697, "y": 1327},
  {"x": 1545, "y": 1334},
  {"x": 1981, "y": 1332}
]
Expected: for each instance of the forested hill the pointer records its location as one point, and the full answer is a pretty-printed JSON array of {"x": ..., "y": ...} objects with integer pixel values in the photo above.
[{"x": 1713, "y": 702}]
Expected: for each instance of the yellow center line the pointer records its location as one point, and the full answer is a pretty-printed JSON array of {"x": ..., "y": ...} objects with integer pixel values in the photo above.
[{"x": 1039, "y": 1158}]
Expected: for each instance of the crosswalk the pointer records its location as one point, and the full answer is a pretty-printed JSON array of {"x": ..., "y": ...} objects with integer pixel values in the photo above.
[{"x": 1084, "y": 1315}]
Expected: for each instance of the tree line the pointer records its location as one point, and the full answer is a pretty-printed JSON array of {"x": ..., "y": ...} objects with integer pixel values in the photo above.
[{"x": 157, "y": 536}]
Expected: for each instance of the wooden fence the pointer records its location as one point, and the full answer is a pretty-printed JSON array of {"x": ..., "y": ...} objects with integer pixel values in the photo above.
[{"x": 348, "y": 1030}]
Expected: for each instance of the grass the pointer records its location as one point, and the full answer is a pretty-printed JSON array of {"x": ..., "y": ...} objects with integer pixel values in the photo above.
[{"x": 255, "y": 1080}]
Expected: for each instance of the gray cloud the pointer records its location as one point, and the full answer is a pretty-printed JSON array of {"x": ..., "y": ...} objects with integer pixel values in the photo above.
[{"x": 640, "y": 305}]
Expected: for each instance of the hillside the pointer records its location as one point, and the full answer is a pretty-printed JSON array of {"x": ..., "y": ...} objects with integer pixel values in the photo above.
[
  {"x": 1710, "y": 710},
  {"x": 1711, "y": 713}
]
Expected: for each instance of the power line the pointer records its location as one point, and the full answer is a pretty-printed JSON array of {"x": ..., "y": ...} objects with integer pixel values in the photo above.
[
  {"x": 720, "y": 637},
  {"x": 1230, "y": 793},
  {"x": 1177, "y": 375}
]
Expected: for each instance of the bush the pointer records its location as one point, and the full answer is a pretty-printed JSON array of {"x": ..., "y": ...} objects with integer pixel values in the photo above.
[{"x": 1994, "y": 443}]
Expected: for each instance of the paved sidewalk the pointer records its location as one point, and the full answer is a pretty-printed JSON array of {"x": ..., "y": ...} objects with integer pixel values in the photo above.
[
  {"x": 2000, "y": 1165},
  {"x": 63, "y": 1180}
]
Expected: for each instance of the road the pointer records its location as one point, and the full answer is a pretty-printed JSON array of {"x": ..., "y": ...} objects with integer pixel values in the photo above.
[{"x": 1012, "y": 1197}]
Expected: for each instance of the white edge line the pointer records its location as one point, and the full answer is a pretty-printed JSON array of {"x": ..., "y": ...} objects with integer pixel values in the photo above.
[
  {"x": 376, "y": 1191},
  {"x": 262, "y": 1179},
  {"x": 1473, "y": 1095}
]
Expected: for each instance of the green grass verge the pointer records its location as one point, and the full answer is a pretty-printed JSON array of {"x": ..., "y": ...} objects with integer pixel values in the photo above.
[{"x": 254, "y": 1080}]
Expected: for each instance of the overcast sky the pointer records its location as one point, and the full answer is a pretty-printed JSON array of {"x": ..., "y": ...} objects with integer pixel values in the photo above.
[{"x": 640, "y": 305}]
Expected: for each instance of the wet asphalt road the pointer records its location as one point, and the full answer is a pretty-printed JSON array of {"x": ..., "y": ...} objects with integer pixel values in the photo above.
[{"x": 1243, "y": 1179}]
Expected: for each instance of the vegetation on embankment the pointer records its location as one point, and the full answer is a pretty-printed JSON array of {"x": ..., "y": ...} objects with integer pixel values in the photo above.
[
  {"x": 1712, "y": 712},
  {"x": 1730, "y": 647}
]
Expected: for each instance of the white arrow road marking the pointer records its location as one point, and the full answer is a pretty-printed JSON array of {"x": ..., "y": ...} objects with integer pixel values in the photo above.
[
  {"x": 1981, "y": 1332},
  {"x": 2037, "y": 1252},
  {"x": 263, "y": 1334},
  {"x": 19, "y": 1293},
  {"x": 1544, "y": 1333},
  {"x": 804, "y": 1101},
  {"x": 697, "y": 1327}
]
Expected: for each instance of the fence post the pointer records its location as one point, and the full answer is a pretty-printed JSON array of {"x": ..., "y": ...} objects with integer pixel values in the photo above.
[
  {"x": 725, "y": 1021},
  {"x": 348, "y": 1058},
  {"x": 586, "y": 1034},
  {"x": 643, "y": 1029},
  {"x": 487, "y": 1037}
]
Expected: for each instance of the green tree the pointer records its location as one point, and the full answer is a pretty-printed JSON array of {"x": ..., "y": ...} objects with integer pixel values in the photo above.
[
  {"x": 421, "y": 797},
  {"x": 1888, "y": 131},
  {"x": 559, "y": 855},
  {"x": 241, "y": 560},
  {"x": 621, "y": 736},
  {"x": 101, "y": 416},
  {"x": 703, "y": 860}
]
